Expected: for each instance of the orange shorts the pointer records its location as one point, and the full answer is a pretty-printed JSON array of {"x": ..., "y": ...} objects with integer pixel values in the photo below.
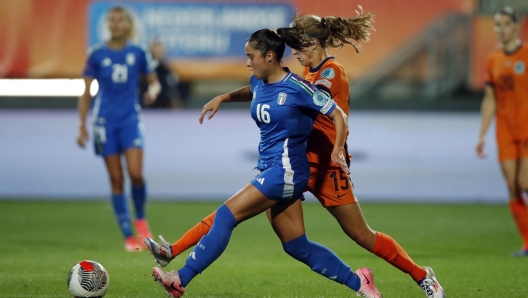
[
  {"x": 513, "y": 149},
  {"x": 332, "y": 187}
]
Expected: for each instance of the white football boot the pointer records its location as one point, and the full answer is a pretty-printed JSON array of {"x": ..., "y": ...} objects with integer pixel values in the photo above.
[
  {"x": 430, "y": 285},
  {"x": 162, "y": 253}
]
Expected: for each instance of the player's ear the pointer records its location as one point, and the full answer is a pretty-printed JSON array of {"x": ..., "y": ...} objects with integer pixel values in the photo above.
[{"x": 269, "y": 56}]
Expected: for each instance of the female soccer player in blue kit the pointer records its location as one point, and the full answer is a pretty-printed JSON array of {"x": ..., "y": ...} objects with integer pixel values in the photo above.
[
  {"x": 116, "y": 64},
  {"x": 284, "y": 108}
]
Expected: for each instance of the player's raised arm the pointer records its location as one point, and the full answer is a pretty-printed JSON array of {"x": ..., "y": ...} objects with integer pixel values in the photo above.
[
  {"x": 83, "y": 106},
  {"x": 487, "y": 111},
  {"x": 240, "y": 95}
]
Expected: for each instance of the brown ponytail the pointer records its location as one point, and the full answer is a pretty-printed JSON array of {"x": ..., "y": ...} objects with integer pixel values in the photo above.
[{"x": 335, "y": 32}]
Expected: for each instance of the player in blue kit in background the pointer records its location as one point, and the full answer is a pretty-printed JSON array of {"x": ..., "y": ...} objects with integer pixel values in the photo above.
[
  {"x": 117, "y": 64},
  {"x": 284, "y": 107}
]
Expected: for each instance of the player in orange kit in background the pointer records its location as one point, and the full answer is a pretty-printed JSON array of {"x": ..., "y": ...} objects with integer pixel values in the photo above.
[
  {"x": 328, "y": 182},
  {"x": 506, "y": 96}
]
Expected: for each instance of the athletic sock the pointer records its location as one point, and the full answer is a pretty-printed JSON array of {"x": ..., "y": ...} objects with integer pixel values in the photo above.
[
  {"x": 520, "y": 215},
  {"x": 139, "y": 196},
  {"x": 120, "y": 206},
  {"x": 192, "y": 236},
  {"x": 210, "y": 247},
  {"x": 322, "y": 260},
  {"x": 388, "y": 249}
]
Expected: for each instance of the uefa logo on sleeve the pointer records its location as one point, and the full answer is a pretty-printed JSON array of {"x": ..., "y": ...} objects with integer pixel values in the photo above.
[{"x": 519, "y": 67}]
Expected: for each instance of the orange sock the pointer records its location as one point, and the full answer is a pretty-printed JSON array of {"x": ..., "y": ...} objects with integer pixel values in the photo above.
[
  {"x": 192, "y": 236},
  {"x": 520, "y": 215},
  {"x": 389, "y": 250}
]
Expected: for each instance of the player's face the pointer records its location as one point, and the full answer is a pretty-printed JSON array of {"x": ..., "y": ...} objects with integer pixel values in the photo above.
[
  {"x": 256, "y": 63},
  {"x": 303, "y": 56},
  {"x": 119, "y": 25},
  {"x": 506, "y": 29}
]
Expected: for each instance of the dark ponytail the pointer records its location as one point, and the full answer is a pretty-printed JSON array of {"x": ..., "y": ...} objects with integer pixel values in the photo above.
[{"x": 266, "y": 40}]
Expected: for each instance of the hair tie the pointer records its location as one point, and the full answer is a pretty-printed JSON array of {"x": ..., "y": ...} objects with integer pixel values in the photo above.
[
  {"x": 323, "y": 21},
  {"x": 275, "y": 31}
]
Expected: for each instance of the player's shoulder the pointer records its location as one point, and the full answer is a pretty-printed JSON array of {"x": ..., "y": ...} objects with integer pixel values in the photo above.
[
  {"x": 524, "y": 49},
  {"x": 137, "y": 46},
  {"x": 329, "y": 69},
  {"x": 298, "y": 84},
  {"x": 496, "y": 53},
  {"x": 95, "y": 49}
]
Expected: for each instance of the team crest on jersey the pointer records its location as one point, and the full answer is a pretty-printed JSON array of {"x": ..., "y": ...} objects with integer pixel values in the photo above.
[
  {"x": 282, "y": 98},
  {"x": 328, "y": 73},
  {"x": 106, "y": 62},
  {"x": 130, "y": 59},
  {"x": 319, "y": 98},
  {"x": 519, "y": 67}
]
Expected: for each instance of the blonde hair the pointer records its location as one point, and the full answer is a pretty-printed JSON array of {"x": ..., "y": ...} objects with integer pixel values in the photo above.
[{"x": 335, "y": 32}]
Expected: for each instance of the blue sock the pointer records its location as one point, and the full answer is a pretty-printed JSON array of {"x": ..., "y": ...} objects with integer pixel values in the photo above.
[
  {"x": 210, "y": 247},
  {"x": 139, "y": 196},
  {"x": 322, "y": 260},
  {"x": 120, "y": 205}
]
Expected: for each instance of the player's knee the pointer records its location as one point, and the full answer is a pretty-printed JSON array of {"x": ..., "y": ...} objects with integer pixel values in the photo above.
[
  {"x": 117, "y": 183},
  {"x": 136, "y": 178},
  {"x": 297, "y": 248},
  {"x": 365, "y": 238},
  {"x": 523, "y": 185}
]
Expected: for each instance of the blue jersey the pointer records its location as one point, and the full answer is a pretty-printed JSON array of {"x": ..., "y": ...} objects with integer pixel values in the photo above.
[
  {"x": 117, "y": 72},
  {"x": 284, "y": 112}
]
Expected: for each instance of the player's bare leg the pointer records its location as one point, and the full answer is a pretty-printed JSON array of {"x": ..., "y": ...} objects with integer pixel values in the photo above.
[{"x": 515, "y": 173}]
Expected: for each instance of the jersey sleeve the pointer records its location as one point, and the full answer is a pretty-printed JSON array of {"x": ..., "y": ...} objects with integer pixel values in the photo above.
[
  {"x": 315, "y": 99},
  {"x": 90, "y": 67},
  {"x": 334, "y": 81},
  {"x": 147, "y": 65}
]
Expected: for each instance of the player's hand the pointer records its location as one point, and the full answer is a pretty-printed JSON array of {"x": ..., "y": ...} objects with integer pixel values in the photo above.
[
  {"x": 480, "y": 147},
  {"x": 212, "y": 106},
  {"x": 82, "y": 137},
  {"x": 338, "y": 159},
  {"x": 152, "y": 93}
]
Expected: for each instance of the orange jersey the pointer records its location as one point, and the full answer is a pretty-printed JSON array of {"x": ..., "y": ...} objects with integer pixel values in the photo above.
[
  {"x": 330, "y": 76},
  {"x": 508, "y": 74}
]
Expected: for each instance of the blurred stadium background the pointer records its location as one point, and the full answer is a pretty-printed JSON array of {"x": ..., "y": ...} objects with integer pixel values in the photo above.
[{"x": 415, "y": 95}]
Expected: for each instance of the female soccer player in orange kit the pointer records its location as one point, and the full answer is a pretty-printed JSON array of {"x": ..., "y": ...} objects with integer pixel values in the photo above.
[
  {"x": 328, "y": 182},
  {"x": 506, "y": 96}
]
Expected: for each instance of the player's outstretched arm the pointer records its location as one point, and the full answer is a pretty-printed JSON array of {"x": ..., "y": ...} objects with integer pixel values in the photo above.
[
  {"x": 340, "y": 121},
  {"x": 83, "y": 107},
  {"x": 240, "y": 95},
  {"x": 487, "y": 111}
]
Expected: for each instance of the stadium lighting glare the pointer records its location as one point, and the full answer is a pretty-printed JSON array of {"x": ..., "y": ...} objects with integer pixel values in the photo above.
[{"x": 45, "y": 87}]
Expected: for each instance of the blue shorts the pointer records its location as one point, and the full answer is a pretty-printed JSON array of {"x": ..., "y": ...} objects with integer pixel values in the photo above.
[
  {"x": 281, "y": 184},
  {"x": 116, "y": 138}
]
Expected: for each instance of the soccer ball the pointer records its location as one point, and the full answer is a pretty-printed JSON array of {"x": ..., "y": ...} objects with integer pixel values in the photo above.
[{"x": 88, "y": 279}]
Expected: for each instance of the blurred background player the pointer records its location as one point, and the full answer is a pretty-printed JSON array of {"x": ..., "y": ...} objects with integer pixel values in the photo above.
[
  {"x": 506, "y": 96},
  {"x": 329, "y": 183},
  {"x": 116, "y": 64},
  {"x": 174, "y": 92},
  {"x": 283, "y": 107}
]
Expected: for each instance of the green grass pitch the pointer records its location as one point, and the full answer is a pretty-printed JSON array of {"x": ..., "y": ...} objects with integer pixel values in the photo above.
[{"x": 468, "y": 246}]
